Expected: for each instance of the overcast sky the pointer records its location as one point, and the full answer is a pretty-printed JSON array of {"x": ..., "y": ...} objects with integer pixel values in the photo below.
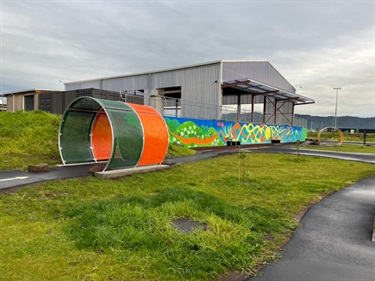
[{"x": 318, "y": 45}]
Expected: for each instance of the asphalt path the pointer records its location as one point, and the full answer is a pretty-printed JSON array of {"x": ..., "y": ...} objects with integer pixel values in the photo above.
[
  {"x": 333, "y": 242},
  {"x": 14, "y": 179},
  {"x": 359, "y": 157}
]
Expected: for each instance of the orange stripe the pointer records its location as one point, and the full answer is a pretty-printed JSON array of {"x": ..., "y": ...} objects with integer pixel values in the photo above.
[{"x": 102, "y": 137}]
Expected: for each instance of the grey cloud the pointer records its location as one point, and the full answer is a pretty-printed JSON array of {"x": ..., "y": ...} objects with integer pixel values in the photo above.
[{"x": 319, "y": 44}]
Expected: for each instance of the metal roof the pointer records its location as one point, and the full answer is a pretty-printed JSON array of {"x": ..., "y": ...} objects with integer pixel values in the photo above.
[
  {"x": 257, "y": 88},
  {"x": 37, "y": 91},
  {"x": 162, "y": 70}
]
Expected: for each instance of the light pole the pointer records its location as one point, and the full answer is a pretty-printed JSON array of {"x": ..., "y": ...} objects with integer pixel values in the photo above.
[{"x": 337, "y": 96}]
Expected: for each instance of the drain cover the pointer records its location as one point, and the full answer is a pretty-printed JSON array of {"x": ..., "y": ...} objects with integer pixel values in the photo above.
[{"x": 188, "y": 225}]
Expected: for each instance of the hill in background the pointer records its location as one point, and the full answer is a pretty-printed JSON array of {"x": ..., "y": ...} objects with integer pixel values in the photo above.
[{"x": 343, "y": 122}]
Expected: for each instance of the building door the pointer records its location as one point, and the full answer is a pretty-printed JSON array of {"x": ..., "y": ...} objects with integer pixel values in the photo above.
[{"x": 29, "y": 103}]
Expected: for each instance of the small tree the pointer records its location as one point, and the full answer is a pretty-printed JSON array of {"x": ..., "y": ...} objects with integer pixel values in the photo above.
[
  {"x": 298, "y": 142},
  {"x": 241, "y": 157}
]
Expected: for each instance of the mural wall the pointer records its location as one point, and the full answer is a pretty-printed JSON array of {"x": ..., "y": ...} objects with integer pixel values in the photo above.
[{"x": 199, "y": 133}]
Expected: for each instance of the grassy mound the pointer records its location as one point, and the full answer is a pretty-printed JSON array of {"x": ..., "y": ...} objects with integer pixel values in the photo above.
[{"x": 28, "y": 138}]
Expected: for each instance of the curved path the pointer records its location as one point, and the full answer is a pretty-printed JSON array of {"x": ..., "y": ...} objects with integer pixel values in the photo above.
[
  {"x": 351, "y": 156},
  {"x": 13, "y": 179},
  {"x": 333, "y": 242}
]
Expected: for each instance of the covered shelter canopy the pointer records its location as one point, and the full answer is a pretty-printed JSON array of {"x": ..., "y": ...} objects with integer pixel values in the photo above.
[
  {"x": 278, "y": 104},
  {"x": 247, "y": 86}
]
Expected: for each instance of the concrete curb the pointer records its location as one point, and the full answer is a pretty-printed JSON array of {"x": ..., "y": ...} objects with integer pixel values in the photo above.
[{"x": 112, "y": 174}]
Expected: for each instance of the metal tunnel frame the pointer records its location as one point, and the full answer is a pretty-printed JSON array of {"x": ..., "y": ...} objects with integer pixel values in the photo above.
[{"x": 123, "y": 134}]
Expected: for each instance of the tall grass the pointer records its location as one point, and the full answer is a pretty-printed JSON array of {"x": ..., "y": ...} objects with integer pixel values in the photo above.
[{"x": 28, "y": 138}]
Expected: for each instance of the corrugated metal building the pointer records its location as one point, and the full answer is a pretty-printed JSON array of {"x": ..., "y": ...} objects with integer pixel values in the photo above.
[
  {"x": 57, "y": 102},
  {"x": 203, "y": 89},
  {"x": 52, "y": 101}
]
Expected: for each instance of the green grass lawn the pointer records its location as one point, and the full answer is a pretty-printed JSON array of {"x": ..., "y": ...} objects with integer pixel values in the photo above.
[{"x": 95, "y": 229}]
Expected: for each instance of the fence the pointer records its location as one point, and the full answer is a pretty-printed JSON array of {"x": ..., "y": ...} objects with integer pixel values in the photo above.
[{"x": 168, "y": 106}]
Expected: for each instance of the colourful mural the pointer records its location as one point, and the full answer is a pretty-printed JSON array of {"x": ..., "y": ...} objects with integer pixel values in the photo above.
[{"x": 200, "y": 133}]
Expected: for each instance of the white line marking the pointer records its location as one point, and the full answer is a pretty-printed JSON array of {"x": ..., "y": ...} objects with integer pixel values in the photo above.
[{"x": 12, "y": 179}]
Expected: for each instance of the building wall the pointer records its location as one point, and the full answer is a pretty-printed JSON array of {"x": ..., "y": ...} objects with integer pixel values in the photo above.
[
  {"x": 261, "y": 71},
  {"x": 9, "y": 103},
  {"x": 198, "y": 87},
  {"x": 199, "y": 84},
  {"x": 190, "y": 132},
  {"x": 201, "y": 93},
  {"x": 15, "y": 103},
  {"x": 129, "y": 83}
]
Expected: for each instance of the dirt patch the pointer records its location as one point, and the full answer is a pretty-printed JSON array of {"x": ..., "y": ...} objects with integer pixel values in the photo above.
[
  {"x": 97, "y": 168},
  {"x": 40, "y": 168}
]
